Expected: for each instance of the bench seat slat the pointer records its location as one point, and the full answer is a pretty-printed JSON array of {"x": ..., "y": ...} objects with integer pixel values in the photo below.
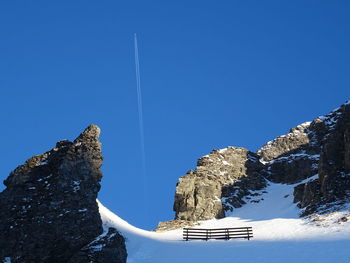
[{"x": 217, "y": 232}]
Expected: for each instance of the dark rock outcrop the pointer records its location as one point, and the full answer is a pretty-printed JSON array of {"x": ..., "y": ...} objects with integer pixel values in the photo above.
[
  {"x": 333, "y": 182},
  {"x": 319, "y": 148},
  {"x": 307, "y": 193},
  {"x": 49, "y": 211},
  {"x": 107, "y": 248},
  {"x": 292, "y": 168}
]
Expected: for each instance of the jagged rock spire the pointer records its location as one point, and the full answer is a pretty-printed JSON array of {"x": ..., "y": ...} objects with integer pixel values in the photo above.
[{"x": 49, "y": 211}]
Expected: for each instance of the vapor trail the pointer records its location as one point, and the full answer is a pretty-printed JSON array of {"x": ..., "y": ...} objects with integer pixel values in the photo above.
[{"x": 140, "y": 110}]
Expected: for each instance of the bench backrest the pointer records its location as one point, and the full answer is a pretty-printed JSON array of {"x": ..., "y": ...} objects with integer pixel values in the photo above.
[{"x": 217, "y": 233}]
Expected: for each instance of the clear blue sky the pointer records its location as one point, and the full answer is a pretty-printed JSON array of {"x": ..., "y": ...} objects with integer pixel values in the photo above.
[{"x": 213, "y": 74}]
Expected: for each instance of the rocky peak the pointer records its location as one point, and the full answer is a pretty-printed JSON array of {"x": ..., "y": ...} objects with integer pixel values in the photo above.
[
  {"x": 90, "y": 134},
  {"x": 86, "y": 150},
  {"x": 49, "y": 210},
  {"x": 320, "y": 150},
  {"x": 198, "y": 193}
]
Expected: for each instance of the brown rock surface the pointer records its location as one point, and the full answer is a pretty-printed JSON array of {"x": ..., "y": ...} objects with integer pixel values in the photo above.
[{"x": 198, "y": 193}]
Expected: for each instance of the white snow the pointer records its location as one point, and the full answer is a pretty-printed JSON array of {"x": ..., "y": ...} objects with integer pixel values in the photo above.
[
  {"x": 76, "y": 186},
  {"x": 305, "y": 124},
  {"x": 331, "y": 119},
  {"x": 279, "y": 236},
  {"x": 97, "y": 247},
  {"x": 262, "y": 161},
  {"x": 291, "y": 157},
  {"x": 252, "y": 158},
  {"x": 223, "y": 150},
  {"x": 7, "y": 260}
]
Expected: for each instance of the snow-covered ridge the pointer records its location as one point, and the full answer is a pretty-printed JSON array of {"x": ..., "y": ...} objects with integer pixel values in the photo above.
[
  {"x": 334, "y": 111},
  {"x": 331, "y": 119},
  {"x": 294, "y": 132},
  {"x": 276, "y": 228},
  {"x": 304, "y": 134}
]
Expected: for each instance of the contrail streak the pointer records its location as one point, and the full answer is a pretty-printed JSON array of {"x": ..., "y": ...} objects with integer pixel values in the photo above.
[{"x": 140, "y": 110}]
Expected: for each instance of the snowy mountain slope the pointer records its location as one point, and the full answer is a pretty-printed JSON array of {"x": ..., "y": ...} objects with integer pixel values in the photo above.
[
  {"x": 279, "y": 235},
  {"x": 49, "y": 211},
  {"x": 225, "y": 179}
]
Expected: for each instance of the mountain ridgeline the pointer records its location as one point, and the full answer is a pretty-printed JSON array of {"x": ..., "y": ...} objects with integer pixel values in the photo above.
[
  {"x": 50, "y": 214},
  {"x": 313, "y": 156}
]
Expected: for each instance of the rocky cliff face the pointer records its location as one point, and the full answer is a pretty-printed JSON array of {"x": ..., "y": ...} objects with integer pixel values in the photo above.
[
  {"x": 49, "y": 211},
  {"x": 332, "y": 185},
  {"x": 319, "y": 150},
  {"x": 291, "y": 158},
  {"x": 228, "y": 173}
]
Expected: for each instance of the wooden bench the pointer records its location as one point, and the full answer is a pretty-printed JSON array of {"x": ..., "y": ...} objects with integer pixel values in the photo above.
[{"x": 217, "y": 233}]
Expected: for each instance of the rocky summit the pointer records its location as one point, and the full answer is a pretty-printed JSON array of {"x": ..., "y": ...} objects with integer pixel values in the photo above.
[
  {"x": 49, "y": 212},
  {"x": 314, "y": 157}
]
